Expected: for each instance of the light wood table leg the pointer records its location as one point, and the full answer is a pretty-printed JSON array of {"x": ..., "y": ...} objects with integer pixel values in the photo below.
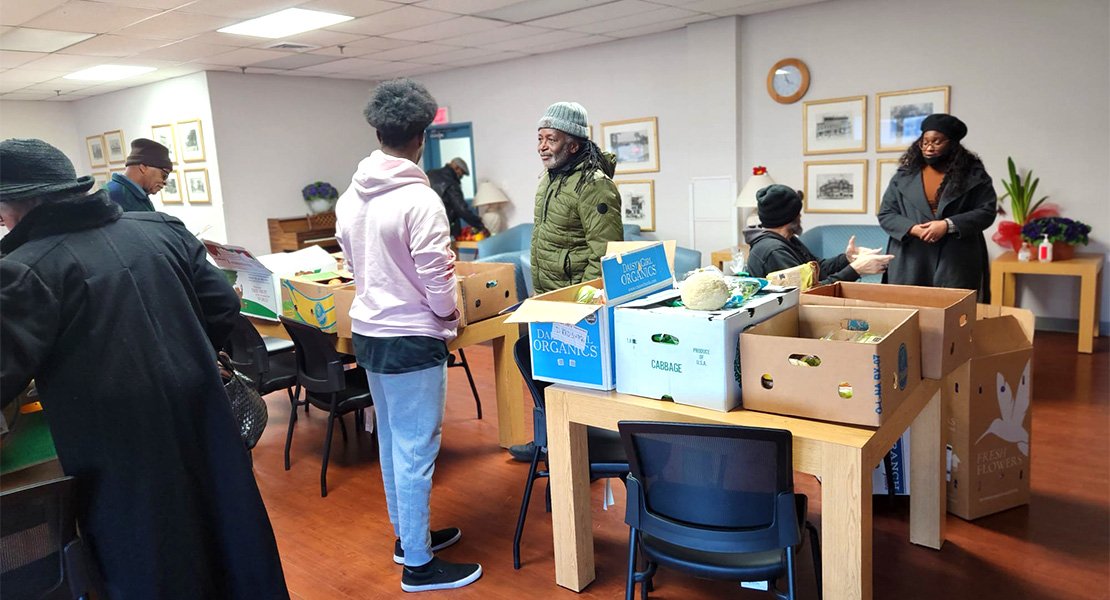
[
  {"x": 928, "y": 503},
  {"x": 1088, "y": 310},
  {"x": 1009, "y": 289},
  {"x": 571, "y": 520},
  {"x": 996, "y": 285},
  {"x": 845, "y": 524},
  {"x": 510, "y": 397}
]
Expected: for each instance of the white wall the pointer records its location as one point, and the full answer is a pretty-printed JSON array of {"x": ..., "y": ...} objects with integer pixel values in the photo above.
[
  {"x": 52, "y": 122},
  {"x": 279, "y": 134}
]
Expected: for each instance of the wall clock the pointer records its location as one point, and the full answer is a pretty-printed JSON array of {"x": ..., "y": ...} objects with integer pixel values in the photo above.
[{"x": 788, "y": 80}]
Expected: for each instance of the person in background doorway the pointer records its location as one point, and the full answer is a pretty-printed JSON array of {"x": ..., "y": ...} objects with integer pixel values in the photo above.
[
  {"x": 935, "y": 211},
  {"x": 394, "y": 234},
  {"x": 447, "y": 182},
  {"x": 116, "y": 316},
  {"x": 775, "y": 244},
  {"x": 148, "y": 166}
]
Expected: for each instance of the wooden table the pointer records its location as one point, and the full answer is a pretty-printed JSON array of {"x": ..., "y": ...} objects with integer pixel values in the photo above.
[
  {"x": 469, "y": 247},
  {"x": 510, "y": 397},
  {"x": 718, "y": 258},
  {"x": 1006, "y": 268},
  {"x": 842, "y": 456}
]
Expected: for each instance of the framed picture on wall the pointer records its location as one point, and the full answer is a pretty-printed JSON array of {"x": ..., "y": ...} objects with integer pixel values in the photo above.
[
  {"x": 192, "y": 140},
  {"x": 635, "y": 142},
  {"x": 97, "y": 156},
  {"x": 898, "y": 115},
  {"x": 195, "y": 182},
  {"x": 114, "y": 144},
  {"x": 119, "y": 170},
  {"x": 100, "y": 179},
  {"x": 163, "y": 134},
  {"x": 171, "y": 193},
  {"x": 833, "y": 126},
  {"x": 836, "y": 186},
  {"x": 885, "y": 168},
  {"x": 638, "y": 203}
]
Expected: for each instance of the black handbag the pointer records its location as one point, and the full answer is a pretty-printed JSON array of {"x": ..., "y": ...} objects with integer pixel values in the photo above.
[{"x": 247, "y": 405}]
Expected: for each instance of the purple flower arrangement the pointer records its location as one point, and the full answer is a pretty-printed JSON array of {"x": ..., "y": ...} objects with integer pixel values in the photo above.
[
  {"x": 1058, "y": 229},
  {"x": 319, "y": 189}
]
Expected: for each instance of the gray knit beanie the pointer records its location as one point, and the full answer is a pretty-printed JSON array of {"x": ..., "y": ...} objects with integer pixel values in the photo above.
[{"x": 568, "y": 117}]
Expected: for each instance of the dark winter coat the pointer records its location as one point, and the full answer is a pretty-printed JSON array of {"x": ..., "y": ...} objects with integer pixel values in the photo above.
[
  {"x": 771, "y": 252},
  {"x": 447, "y": 184},
  {"x": 573, "y": 226},
  {"x": 958, "y": 260},
  {"x": 122, "y": 191},
  {"x": 115, "y": 317}
]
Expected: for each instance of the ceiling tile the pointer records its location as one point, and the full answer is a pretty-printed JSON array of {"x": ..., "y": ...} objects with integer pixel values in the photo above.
[
  {"x": 11, "y": 58},
  {"x": 454, "y": 56},
  {"x": 454, "y": 27},
  {"x": 588, "y": 40},
  {"x": 295, "y": 61},
  {"x": 593, "y": 14},
  {"x": 176, "y": 25},
  {"x": 238, "y": 9},
  {"x": 489, "y": 58},
  {"x": 414, "y": 51},
  {"x": 189, "y": 50},
  {"x": 29, "y": 76},
  {"x": 344, "y": 65},
  {"x": 227, "y": 39},
  {"x": 318, "y": 37},
  {"x": 65, "y": 85},
  {"x": 509, "y": 32},
  {"x": 751, "y": 7},
  {"x": 64, "y": 63},
  {"x": 351, "y": 8},
  {"x": 7, "y": 85},
  {"x": 465, "y": 7},
  {"x": 93, "y": 17},
  {"x": 404, "y": 17},
  {"x": 18, "y": 12},
  {"x": 243, "y": 57},
  {"x": 39, "y": 40},
  {"x": 366, "y": 45},
  {"x": 159, "y": 4},
  {"x": 530, "y": 10},
  {"x": 28, "y": 95},
  {"x": 527, "y": 44},
  {"x": 640, "y": 20},
  {"x": 659, "y": 27},
  {"x": 112, "y": 45}
]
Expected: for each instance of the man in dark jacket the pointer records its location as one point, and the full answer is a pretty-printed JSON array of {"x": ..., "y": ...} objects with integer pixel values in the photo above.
[
  {"x": 447, "y": 182},
  {"x": 775, "y": 245},
  {"x": 116, "y": 317},
  {"x": 148, "y": 166}
]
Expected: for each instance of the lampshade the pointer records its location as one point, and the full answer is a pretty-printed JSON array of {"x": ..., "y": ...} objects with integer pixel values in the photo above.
[
  {"x": 488, "y": 193},
  {"x": 759, "y": 180}
]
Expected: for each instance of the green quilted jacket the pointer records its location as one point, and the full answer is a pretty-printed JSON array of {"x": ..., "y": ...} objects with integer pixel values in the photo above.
[{"x": 572, "y": 228}]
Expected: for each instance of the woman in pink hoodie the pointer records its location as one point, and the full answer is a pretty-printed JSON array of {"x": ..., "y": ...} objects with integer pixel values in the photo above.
[{"x": 394, "y": 233}]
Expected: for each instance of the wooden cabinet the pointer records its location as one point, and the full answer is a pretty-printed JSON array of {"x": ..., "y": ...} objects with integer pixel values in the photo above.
[{"x": 293, "y": 233}]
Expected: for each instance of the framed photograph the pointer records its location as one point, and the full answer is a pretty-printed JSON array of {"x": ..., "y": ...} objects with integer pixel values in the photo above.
[
  {"x": 119, "y": 170},
  {"x": 638, "y": 203},
  {"x": 836, "y": 186},
  {"x": 192, "y": 140},
  {"x": 97, "y": 156},
  {"x": 635, "y": 142},
  {"x": 171, "y": 193},
  {"x": 898, "y": 115},
  {"x": 115, "y": 147},
  {"x": 833, "y": 126},
  {"x": 885, "y": 168},
  {"x": 196, "y": 186},
  {"x": 163, "y": 134},
  {"x": 101, "y": 179}
]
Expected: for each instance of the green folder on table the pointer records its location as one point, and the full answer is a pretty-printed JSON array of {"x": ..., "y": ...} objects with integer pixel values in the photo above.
[{"x": 28, "y": 444}]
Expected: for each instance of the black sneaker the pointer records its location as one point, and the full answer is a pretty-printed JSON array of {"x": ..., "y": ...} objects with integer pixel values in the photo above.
[
  {"x": 441, "y": 538},
  {"x": 523, "y": 452},
  {"x": 439, "y": 575}
]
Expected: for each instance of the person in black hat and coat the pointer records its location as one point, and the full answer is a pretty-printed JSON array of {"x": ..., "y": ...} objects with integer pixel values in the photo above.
[
  {"x": 148, "y": 166},
  {"x": 935, "y": 210},
  {"x": 775, "y": 244},
  {"x": 447, "y": 182},
  {"x": 116, "y": 317}
]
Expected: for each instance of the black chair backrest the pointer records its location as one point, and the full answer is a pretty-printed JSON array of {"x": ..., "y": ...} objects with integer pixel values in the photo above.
[
  {"x": 713, "y": 476},
  {"x": 247, "y": 350},
  {"x": 523, "y": 355},
  {"x": 319, "y": 366},
  {"x": 38, "y": 521}
]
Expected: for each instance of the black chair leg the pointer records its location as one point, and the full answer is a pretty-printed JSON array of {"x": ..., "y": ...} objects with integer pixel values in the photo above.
[
  {"x": 289, "y": 433},
  {"x": 524, "y": 508},
  {"x": 332, "y": 417},
  {"x": 815, "y": 548},
  {"x": 630, "y": 582},
  {"x": 342, "y": 427},
  {"x": 470, "y": 378},
  {"x": 888, "y": 467},
  {"x": 791, "y": 593}
]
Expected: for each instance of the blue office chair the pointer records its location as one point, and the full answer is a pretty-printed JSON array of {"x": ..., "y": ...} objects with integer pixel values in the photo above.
[{"x": 715, "y": 501}]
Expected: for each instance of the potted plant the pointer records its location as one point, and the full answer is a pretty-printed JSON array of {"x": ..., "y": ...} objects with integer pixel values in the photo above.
[
  {"x": 1064, "y": 234},
  {"x": 320, "y": 196},
  {"x": 1023, "y": 207}
]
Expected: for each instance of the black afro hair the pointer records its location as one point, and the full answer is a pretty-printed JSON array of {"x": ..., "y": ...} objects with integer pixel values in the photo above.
[{"x": 400, "y": 109}]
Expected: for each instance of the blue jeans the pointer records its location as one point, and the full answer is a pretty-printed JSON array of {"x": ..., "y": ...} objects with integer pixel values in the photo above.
[{"x": 409, "y": 409}]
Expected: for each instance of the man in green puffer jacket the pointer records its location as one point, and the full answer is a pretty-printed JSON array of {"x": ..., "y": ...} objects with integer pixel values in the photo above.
[{"x": 578, "y": 209}]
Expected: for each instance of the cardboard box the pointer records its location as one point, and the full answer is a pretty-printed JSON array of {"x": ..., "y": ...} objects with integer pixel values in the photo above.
[
  {"x": 573, "y": 343},
  {"x": 257, "y": 280},
  {"x": 988, "y": 413},
  {"x": 945, "y": 316},
  {"x": 484, "y": 289},
  {"x": 322, "y": 300},
  {"x": 787, "y": 368},
  {"x": 689, "y": 356}
]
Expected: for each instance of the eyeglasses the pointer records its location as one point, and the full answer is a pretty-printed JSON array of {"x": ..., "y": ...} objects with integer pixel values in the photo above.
[
  {"x": 933, "y": 143},
  {"x": 165, "y": 174}
]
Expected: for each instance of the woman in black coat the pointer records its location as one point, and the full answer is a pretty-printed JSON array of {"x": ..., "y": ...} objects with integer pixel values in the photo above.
[
  {"x": 935, "y": 211},
  {"x": 116, "y": 318}
]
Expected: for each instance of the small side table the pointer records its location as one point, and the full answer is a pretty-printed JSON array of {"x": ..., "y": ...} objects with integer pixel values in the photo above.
[
  {"x": 718, "y": 258},
  {"x": 466, "y": 247},
  {"x": 1006, "y": 268}
]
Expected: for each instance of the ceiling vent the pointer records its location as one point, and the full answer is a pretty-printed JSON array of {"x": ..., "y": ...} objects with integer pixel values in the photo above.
[{"x": 296, "y": 46}]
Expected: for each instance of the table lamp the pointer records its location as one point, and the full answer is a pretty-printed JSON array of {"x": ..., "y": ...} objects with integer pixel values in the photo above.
[
  {"x": 488, "y": 200},
  {"x": 746, "y": 200}
]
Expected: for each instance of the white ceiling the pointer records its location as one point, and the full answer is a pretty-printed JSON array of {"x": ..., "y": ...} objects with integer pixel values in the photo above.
[{"x": 42, "y": 40}]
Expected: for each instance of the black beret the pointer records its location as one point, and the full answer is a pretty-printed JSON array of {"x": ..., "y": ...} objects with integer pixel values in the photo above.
[
  {"x": 777, "y": 205},
  {"x": 953, "y": 128}
]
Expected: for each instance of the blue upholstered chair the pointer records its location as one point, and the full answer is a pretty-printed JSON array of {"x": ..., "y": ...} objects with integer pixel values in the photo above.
[{"x": 829, "y": 240}]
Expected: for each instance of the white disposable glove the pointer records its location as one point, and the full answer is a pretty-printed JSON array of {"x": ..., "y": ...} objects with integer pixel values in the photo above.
[{"x": 870, "y": 263}]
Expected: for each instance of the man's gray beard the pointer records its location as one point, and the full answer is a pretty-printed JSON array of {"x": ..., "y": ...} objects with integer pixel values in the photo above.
[
  {"x": 796, "y": 229},
  {"x": 561, "y": 157}
]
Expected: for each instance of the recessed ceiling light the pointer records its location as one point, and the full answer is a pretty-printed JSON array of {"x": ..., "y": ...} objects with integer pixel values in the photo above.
[
  {"x": 284, "y": 23},
  {"x": 108, "y": 72}
]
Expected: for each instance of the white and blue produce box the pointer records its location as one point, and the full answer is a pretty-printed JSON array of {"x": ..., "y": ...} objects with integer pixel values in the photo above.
[
  {"x": 689, "y": 356},
  {"x": 572, "y": 343}
]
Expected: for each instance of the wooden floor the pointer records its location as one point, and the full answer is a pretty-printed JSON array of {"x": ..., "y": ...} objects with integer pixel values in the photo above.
[{"x": 340, "y": 547}]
